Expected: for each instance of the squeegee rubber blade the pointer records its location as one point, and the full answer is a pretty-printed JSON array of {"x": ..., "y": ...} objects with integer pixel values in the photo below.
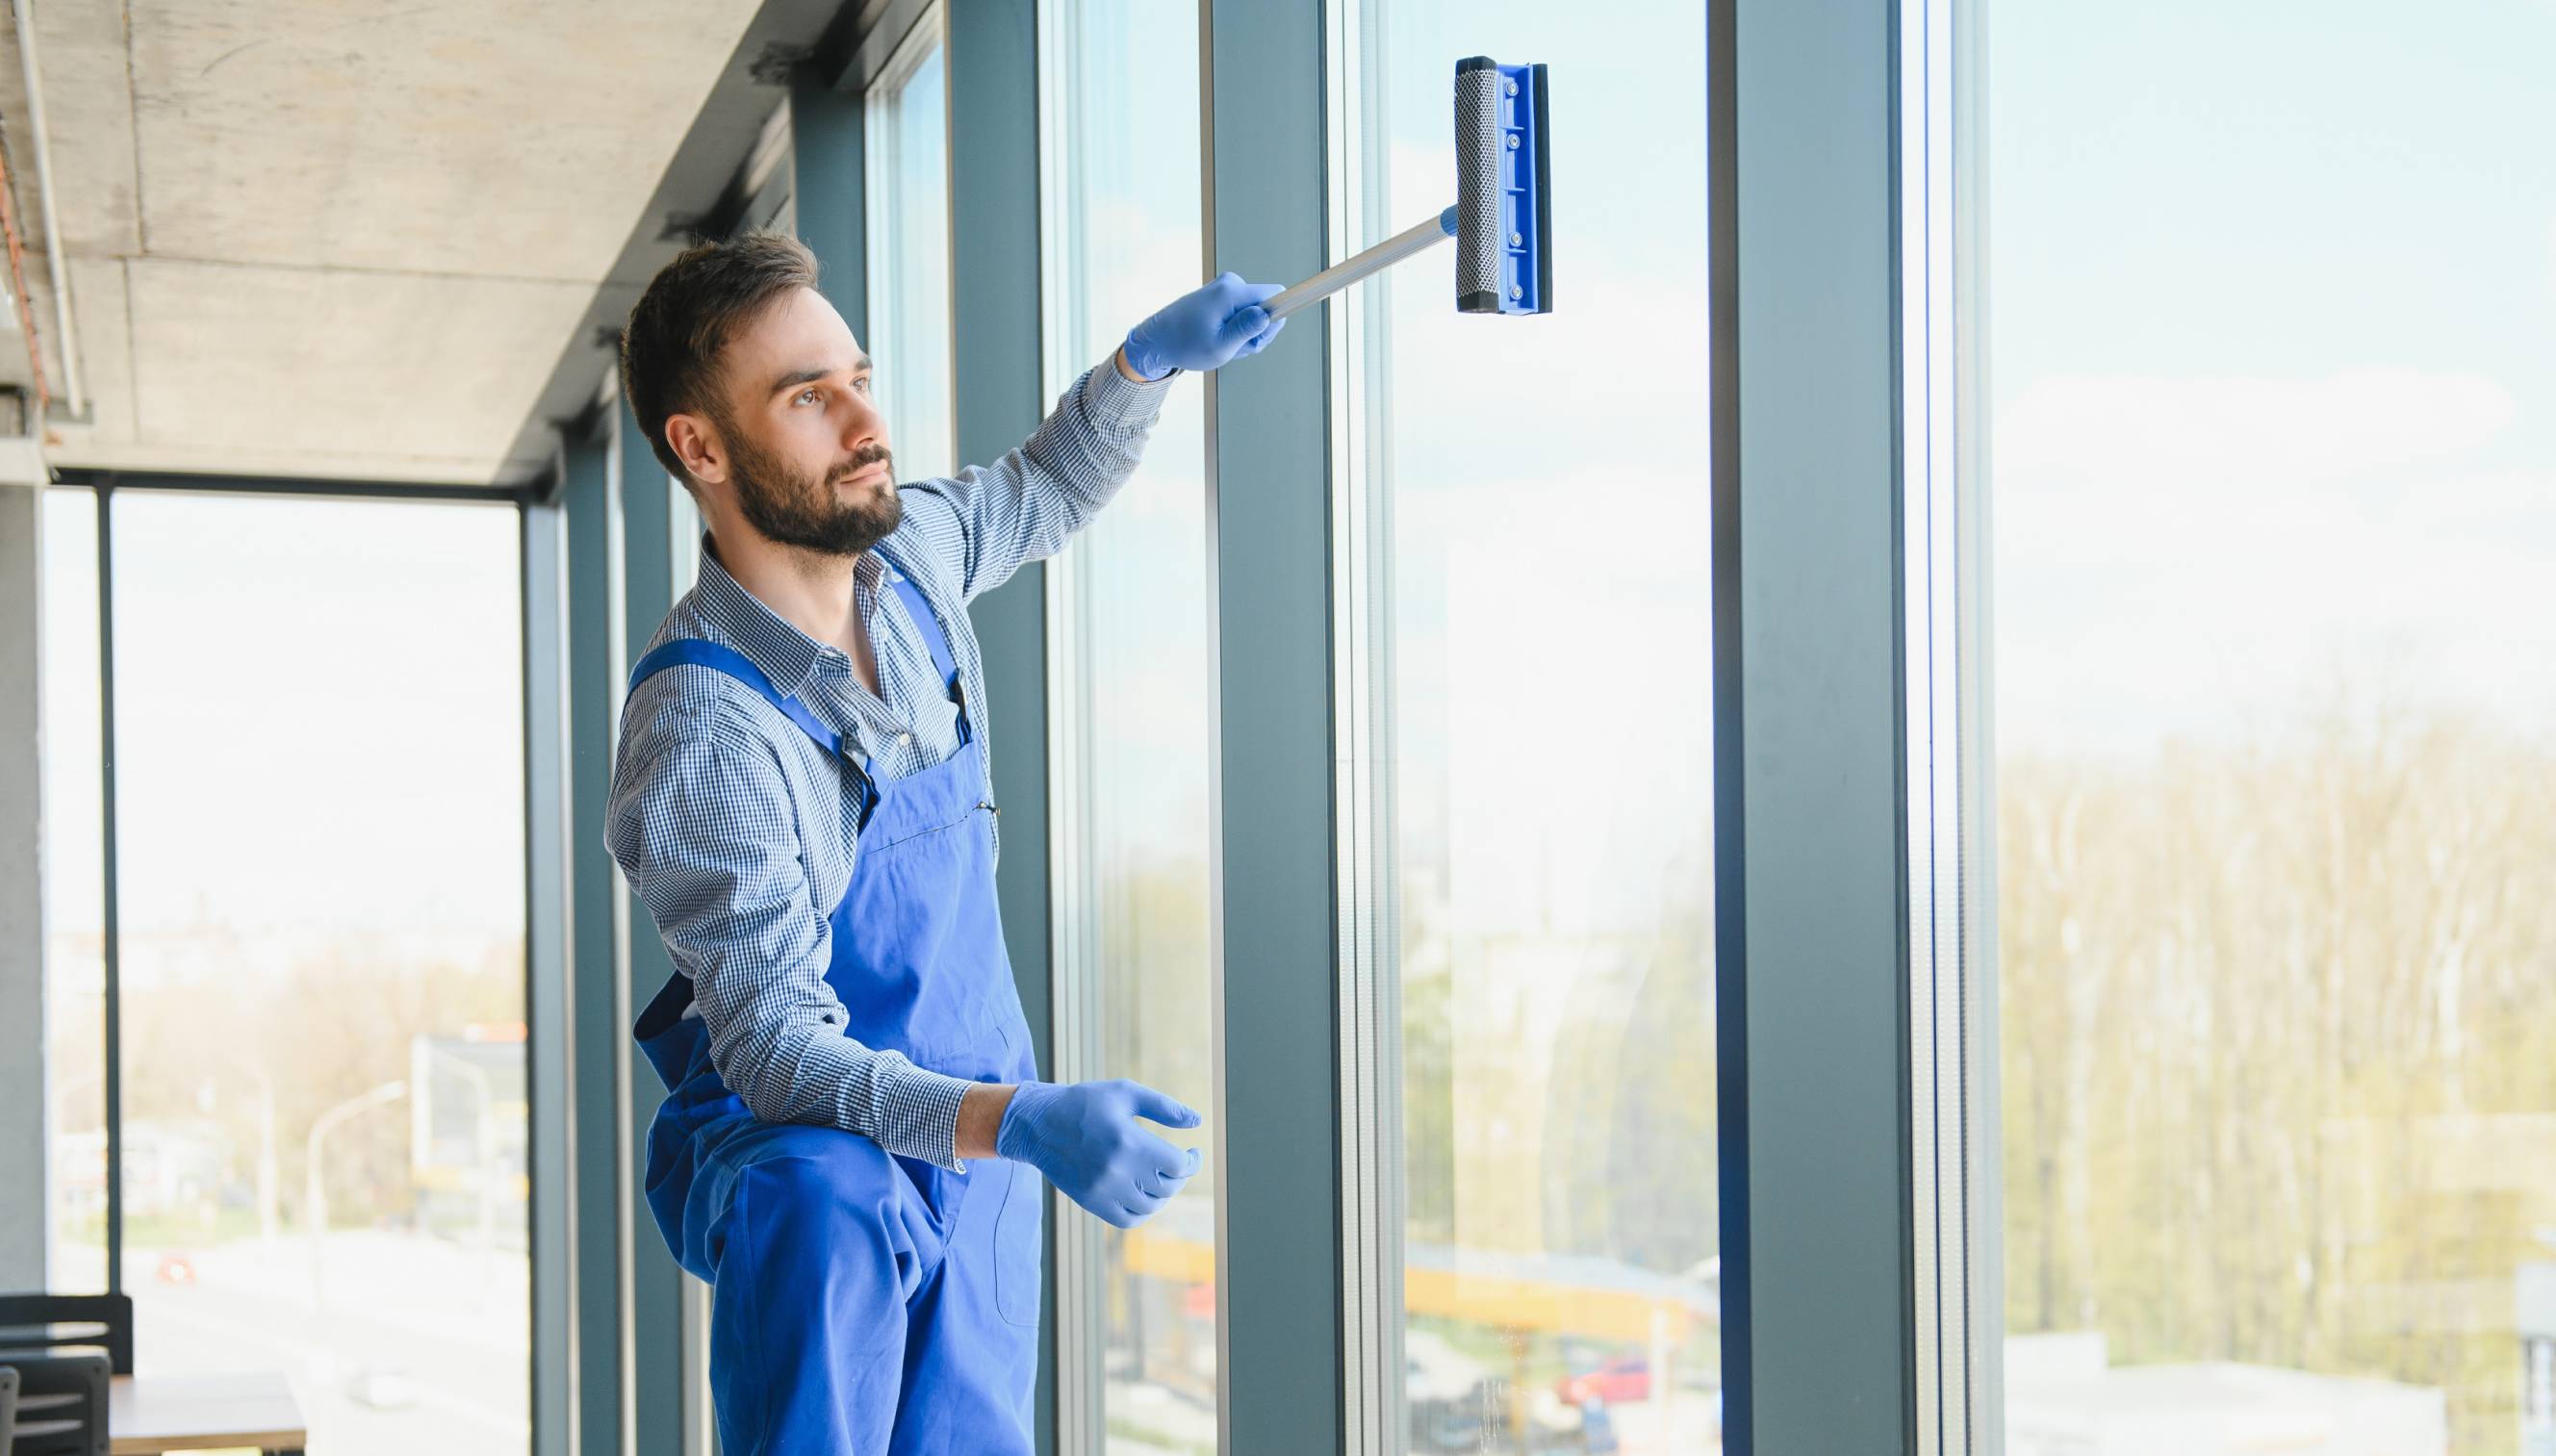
[{"x": 1543, "y": 194}]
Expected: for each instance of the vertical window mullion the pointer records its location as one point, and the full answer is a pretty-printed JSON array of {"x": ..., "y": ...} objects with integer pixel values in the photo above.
[
  {"x": 1813, "y": 793},
  {"x": 1279, "y": 1247},
  {"x": 599, "y": 1032},
  {"x": 1956, "y": 1335},
  {"x": 113, "y": 931},
  {"x": 550, "y": 997}
]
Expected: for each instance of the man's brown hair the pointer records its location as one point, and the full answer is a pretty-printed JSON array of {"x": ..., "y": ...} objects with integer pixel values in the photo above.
[{"x": 692, "y": 308}]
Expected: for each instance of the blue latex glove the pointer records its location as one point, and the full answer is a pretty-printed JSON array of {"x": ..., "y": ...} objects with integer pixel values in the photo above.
[
  {"x": 1084, "y": 1136},
  {"x": 1204, "y": 330}
]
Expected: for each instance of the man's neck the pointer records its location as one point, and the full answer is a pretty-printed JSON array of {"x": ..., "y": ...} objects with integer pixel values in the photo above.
[{"x": 809, "y": 589}]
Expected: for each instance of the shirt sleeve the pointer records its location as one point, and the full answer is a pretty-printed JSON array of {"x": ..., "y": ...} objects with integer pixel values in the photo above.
[
  {"x": 988, "y": 521},
  {"x": 700, "y": 820}
]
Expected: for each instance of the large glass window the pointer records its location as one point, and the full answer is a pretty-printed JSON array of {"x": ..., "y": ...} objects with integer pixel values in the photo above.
[
  {"x": 319, "y": 833},
  {"x": 2270, "y": 291},
  {"x": 1121, "y": 237},
  {"x": 1527, "y": 510},
  {"x": 907, "y": 131}
]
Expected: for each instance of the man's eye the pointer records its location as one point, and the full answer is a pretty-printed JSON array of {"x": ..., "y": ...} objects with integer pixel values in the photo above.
[
  {"x": 807, "y": 394},
  {"x": 862, "y": 384}
]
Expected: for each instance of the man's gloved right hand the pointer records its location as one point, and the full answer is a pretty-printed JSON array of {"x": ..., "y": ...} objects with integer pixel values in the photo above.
[
  {"x": 1084, "y": 1136},
  {"x": 1205, "y": 329}
]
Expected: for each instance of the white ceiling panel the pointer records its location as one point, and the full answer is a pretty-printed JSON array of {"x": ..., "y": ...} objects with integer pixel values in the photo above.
[
  {"x": 506, "y": 140},
  {"x": 211, "y": 369}
]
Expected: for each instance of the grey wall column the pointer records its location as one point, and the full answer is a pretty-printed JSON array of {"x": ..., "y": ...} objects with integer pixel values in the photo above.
[
  {"x": 992, "y": 63},
  {"x": 1278, "y": 1246},
  {"x": 597, "y": 1029},
  {"x": 826, "y": 164},
  {"x": 1810, "y": 736},
  {"x": 549, "y": 1003},
  {"x": 24, "y": 1190},
  {"x": 661, "y": 1396}
]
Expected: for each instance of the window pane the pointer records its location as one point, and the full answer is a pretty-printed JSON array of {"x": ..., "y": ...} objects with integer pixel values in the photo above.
[
  {"x": 2270, "y": 293},
  {"x": 319, "y": 789},
  {"x": 74, "y": 897},
  {"x": 1540, "y": 488},
  {"x": 909, "y": 263},
  {"x": 1123, "y": 237}
]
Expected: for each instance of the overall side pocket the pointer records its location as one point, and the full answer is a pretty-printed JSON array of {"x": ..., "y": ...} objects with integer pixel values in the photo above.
[{"x": 1019, "y": 1247}]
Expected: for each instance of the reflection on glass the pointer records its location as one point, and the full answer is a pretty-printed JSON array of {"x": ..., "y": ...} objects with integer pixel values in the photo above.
[
  {"x": 1541, "y": 493},
  {"x": 2277, "y": 732},
  {"x": 1122, "y": 235},
  {"x": 320, "y": 797},
  {"x": 74, "y": 897},
  {"x": 909, "y": 262}
]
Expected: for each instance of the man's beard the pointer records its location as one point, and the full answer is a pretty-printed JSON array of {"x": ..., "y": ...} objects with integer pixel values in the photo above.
[{"x": 796, "y": 510}]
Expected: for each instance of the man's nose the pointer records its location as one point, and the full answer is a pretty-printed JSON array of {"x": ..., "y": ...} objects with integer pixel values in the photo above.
[{"x": 863, "y": 424}]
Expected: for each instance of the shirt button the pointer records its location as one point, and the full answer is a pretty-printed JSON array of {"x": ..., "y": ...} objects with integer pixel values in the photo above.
[{"x": 904, "y": 740}]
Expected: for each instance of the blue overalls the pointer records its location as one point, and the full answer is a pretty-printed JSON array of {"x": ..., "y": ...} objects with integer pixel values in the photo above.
[{"x": 864, "y": 1303}]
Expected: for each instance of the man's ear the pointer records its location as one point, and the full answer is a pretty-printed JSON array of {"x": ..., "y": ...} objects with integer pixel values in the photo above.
[{"x": 695, "y": 443}]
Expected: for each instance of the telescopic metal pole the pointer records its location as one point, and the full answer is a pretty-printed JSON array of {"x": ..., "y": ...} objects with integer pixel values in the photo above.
[{"x": 1374, "y": 260}]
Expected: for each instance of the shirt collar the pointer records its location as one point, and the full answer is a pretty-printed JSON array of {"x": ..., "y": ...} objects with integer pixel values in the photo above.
[{"x": 769, "y": 640}]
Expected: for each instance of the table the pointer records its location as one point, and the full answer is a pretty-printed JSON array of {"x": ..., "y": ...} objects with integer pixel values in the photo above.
[{"x": 148, "y": 1415}]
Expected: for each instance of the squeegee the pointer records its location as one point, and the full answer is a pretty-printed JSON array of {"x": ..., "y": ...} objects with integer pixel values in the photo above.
[{"x": 1502, "y": 220}]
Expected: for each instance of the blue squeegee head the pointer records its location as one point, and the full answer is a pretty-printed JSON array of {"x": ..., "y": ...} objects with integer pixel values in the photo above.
[{"x": 1503, "y": 189}]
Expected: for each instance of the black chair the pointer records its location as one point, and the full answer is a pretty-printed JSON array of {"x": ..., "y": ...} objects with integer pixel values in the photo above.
[
  {"x": 62, "y": 1348},
  {"x": 41, "y": 1322},
  {"x": 61, "y": 1401}
]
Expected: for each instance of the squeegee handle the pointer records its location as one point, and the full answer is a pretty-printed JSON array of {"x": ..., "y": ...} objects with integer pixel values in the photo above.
[{"x": 1374, "y": 260}]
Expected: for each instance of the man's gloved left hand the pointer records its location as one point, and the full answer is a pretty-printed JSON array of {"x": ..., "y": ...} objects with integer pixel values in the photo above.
[
  {"x": 1206, "y": 328},
  {"x": 1084, "y": 1136}
]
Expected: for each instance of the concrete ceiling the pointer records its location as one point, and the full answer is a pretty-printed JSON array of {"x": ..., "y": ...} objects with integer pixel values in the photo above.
[{"x": 339, "y": 237}]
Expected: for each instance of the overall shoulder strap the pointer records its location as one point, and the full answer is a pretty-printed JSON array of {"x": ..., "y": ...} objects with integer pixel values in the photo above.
[
  {"x": 938, "y": 642},
  {"x": 930, "y": 625},
  {"x": 719, "y": 657}
]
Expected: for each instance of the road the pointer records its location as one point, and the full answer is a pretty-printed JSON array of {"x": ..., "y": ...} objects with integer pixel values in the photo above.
[{"x": 439, "y": 1334}]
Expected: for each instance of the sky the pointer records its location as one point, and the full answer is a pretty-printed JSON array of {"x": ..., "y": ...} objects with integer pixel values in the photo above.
[
  {"x": 319, "y": 711},
  {"x": 2271, "y": 292}
]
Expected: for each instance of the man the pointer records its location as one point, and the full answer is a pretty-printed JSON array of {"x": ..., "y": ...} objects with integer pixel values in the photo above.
[{"x": 800, "y": 796}]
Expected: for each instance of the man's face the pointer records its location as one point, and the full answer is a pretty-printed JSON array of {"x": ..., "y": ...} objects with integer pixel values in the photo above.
[{"x": 808, "y": 455}]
